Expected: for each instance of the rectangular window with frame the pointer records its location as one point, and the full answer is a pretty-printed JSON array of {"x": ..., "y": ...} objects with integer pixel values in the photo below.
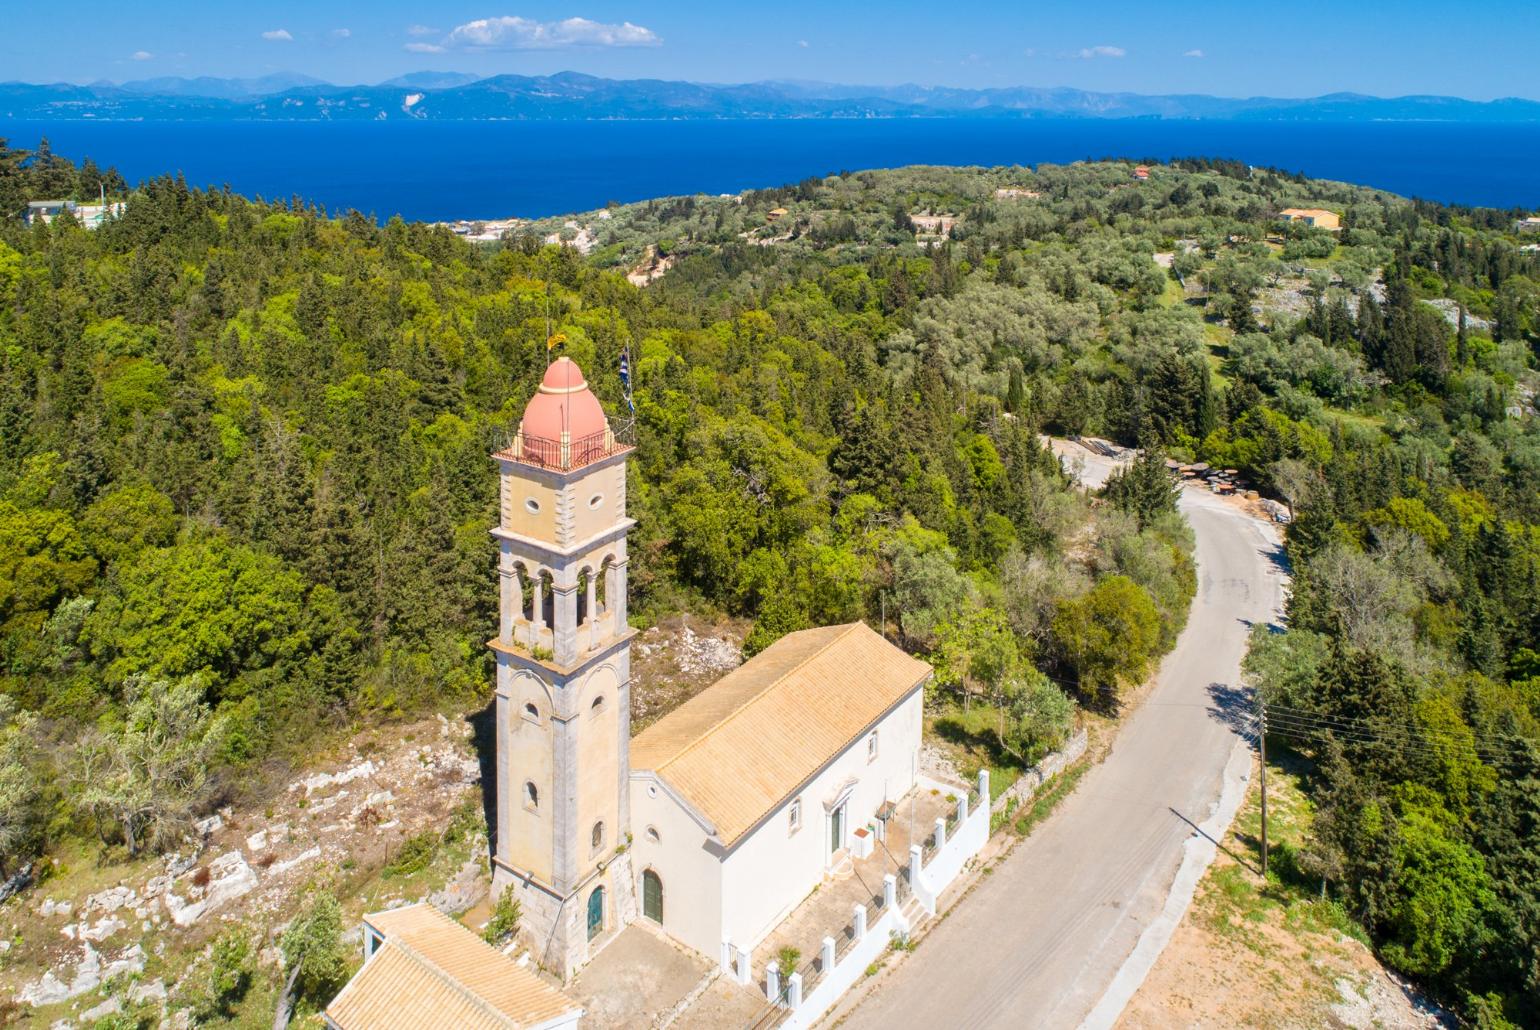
[
  {"x": 794, "y": 817},
  {"x": 871, "y": 747}
]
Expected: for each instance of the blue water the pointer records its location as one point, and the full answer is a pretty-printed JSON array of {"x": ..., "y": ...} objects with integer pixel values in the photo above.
[{"x": 446, "y": 170}]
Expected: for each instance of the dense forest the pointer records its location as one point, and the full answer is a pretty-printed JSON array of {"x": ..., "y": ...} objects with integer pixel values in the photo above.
[{"x": 245, "y": 489}]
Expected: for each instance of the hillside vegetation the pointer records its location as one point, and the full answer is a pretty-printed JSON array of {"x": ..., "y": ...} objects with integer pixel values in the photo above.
[{"x": 245, "y": 490}]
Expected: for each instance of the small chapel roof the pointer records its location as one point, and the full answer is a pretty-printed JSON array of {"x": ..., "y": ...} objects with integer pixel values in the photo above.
[
  {"x": 741, "y": 747},
  {"x": 431, "y": 971}
]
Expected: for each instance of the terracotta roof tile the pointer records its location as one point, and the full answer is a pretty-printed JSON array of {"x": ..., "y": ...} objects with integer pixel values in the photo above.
[
  {"x": 431, "y": 971},
  {"x": 745, "y": 744}
]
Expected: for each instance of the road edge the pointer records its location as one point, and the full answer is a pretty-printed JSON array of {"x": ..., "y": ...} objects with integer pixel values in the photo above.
[{"x": 1197, "y": 855}]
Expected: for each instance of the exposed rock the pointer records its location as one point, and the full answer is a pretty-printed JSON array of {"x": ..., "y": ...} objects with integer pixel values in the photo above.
[
  {"x": 257, "y": 841},
  {"x": 51, "y": 988},
  {"x": 15, "y": 884},
  {"x": 231, "y": 878},
  {"x": 51, "y": 907},
  {"x": 111, "y": 899},
  {"x": 176, "y": 865},
  {"x": 105, "y": 927},
  {"x": 155, "y": 990},
  {"x": 210, "y": 826},
  {"x": 311, "y": 784},
  {"x": 382, "y": 797},
  {"x": 68, "y": 930},
  {"x": 157, "y": 886},
  {"x": 299, "y": 859},
  {"x": 107, "y": 1008},
  {"x": 468, "y": 887},
  {"x": 131, "y": 961}
]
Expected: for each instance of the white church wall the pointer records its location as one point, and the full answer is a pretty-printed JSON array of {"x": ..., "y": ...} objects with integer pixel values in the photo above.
[
  {"x": 691, "y": 875},
  {"x": 773, "y": 870}
]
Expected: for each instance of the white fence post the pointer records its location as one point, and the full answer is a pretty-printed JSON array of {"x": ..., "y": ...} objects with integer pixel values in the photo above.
[
  {"x": 889, "y": 891},
  {"x": 940, "y": 832},
  {"x": 962, "y": 808},
  {"x": 727, "y": 956},
  {"x": 743, "y": 966},
  {"x": 772, "y": 984},
  {"x": 984, "y": 787},
  {"x": 915, "y": 862},
  {"x": 794, "y": 990},
  {"x": 827, "y": 954},
  {"x": 858, "y": 921}
]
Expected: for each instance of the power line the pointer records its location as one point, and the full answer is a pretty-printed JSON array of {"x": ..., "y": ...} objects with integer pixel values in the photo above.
[
  {"x": 1401, "y": 735},
  {"x": 1391, "y": 738},
  {"x": 1285, "y": 709}
]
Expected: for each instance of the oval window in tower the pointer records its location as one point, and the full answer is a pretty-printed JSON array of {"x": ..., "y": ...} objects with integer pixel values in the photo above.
[
  {"x": 532, "y": 506},
  {"x": 596, "y": 500}
]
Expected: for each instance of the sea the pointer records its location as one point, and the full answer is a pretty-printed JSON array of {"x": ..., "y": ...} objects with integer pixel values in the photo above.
[{"x": 441, "y": 171}]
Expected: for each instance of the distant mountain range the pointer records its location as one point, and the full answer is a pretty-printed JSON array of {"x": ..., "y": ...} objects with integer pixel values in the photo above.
[{"x": 570, "y": 96}]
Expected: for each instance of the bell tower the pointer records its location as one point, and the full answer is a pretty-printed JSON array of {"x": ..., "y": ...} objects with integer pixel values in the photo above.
[{"x": 563, "y": 652}]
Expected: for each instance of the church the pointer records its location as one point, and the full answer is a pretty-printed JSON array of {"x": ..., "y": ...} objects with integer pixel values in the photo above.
[{"x": 717, "y": 821}]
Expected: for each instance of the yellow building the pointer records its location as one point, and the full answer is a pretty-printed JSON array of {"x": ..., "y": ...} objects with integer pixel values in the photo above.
[{"x": 1315, "y": 217}]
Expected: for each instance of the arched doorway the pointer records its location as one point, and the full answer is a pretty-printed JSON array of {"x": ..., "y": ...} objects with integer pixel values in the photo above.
[
  {"x": 595, "y": 912},
  {"x": 652, "y": 896}
]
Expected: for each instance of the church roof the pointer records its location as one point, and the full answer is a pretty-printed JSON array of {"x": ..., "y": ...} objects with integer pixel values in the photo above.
[
  {"x": 431, "y": 971},
  {"x": 741, "y": 747}
]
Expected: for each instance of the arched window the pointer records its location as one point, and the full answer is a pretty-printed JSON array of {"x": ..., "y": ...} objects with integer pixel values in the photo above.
[
  {"x": 598, "y": 705},
  {"x": 526, "y": 591},
  {"x": 652, "y": 835},
  {"x": 547, "y": 600},
  {"x": 531, "y": 795},
  {"x": 602, "y": 585},
  {"x": 531, "y": 711},
  {"x": 598, "y": 835},
  {"x": 584, "y": 589}
]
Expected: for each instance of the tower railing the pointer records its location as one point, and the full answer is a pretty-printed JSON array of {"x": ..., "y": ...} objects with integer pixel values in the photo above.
[{"x": 567, "y": 452}]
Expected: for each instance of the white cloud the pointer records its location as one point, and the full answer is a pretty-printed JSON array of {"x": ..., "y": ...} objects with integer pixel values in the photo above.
[
  {"x": 802, "y": 43},
  {"x": 424, "y": 48},
  {"x": 1193, "y": 53},
  {"x": 143, "y": 55},
  {"x": 514, "y": 33},
  {"x": 341, "y": 33},
  {"x": 1091, "y": 52},
  {"x": 420, "y": 30},
  {"x": 277, "y": 36}
]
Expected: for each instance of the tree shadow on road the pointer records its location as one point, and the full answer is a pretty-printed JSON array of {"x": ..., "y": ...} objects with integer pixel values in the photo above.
[{"x": 1233, "y": 706}]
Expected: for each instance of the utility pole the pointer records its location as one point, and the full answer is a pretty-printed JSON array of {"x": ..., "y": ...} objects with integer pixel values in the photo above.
[{"x": 1262, "y": 747}]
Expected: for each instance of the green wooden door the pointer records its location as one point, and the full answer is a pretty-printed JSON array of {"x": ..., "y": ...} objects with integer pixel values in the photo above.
[
  {"x": 595, "y": 912},
  {"x": 652, "y": 896}
]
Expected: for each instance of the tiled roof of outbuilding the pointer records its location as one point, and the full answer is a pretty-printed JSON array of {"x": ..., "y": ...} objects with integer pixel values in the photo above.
[{"x": 431, "y": 971}]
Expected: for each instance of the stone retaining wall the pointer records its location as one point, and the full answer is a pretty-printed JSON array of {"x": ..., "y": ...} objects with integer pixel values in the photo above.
[{"x": 1052, "y": 765}]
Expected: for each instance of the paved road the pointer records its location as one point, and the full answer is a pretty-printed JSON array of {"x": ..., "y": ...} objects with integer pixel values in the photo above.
[{"x": 1038, "y": 943}]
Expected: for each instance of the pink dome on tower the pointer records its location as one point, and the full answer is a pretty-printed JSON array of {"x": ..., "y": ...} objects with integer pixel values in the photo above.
[{"x": 563, "y": 403}]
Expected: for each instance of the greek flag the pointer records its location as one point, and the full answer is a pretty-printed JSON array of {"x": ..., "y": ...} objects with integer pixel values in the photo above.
[{"x": 625, "y": 374}]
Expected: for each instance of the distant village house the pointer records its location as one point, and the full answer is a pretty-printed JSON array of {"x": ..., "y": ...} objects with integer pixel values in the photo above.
[
  {"x": 88, "y": 215},
  {"x": 1530, "y": 224},
  {"x": 1316, "y": 218}
]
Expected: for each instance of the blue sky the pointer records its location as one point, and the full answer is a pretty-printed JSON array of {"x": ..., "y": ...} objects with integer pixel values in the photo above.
[{"x": 1479, "y": 50}]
